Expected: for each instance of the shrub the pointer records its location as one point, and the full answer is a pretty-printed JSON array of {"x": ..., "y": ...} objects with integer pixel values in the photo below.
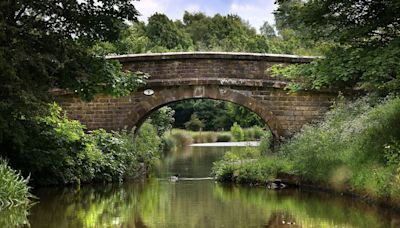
[
  {"x": 265, "y": 142},
  {"x": 198, "y": 138},
  {"x": 182, "y": 139},
  {"x": 237, "y": 132},
  {"x": 169, "y": 143},
  {"x": 361, "y": 136},
  {"x": 14, "y": 189},
  {"x": 248, "y": 134},
  {"x": 253, "y": 133},
  {"x": 356, "y": 147},
  {"x": 211, "y": 137},
  {"x": 194, "y": 124},
  {"x": 250, "y": 171},
  {"x": 60, "y": 152},
  {"x": 224, "y": 137}
]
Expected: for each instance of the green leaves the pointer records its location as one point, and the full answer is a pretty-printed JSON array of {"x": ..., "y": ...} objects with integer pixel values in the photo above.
[
  {"x": 362, "y": 43},
  {"x": 14, "y": 189}
]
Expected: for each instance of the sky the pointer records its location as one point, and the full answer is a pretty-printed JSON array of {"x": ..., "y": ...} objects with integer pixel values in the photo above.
[{"x": 256, "y": 12}]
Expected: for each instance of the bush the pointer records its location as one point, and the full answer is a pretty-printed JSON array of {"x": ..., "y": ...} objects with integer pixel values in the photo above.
[
  {"x": 169, "y": 143},
  {"x": 198, "y": 138},
  {"x": 14, "y": 190},
  {"x": 250, "y": 171},
  {"x": 253, "y": 133},
  {"x": 248, "y": 134},
  {"x": 361, "y": 138},
  {"x": 265, "y": 142},
  {"x": 182, "y": 139},
  {"x": 60, "y": 152},
  {"x": 355, "y": 148},
  {"x": 237, "y": 132},
  {"x": 224, "y": 137},
  {"x": 194, "y": 124}
]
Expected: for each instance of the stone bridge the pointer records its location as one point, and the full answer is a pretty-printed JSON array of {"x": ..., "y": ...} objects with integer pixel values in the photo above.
[{"x": 241, "y": 78}]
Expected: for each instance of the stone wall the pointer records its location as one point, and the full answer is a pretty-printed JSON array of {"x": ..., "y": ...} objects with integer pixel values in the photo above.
[{"x": 240, "y": 78}]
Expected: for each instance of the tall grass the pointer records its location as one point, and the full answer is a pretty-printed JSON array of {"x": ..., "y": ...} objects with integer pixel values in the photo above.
[
  {"x": 355, "y": 148},
  {"x": 14, "y": 189},
  {"x": 180, "y": 137}
]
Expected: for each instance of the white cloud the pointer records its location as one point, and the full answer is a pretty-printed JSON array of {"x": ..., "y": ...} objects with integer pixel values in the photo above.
[
  {"x": 255, "y": 12},
  {"x": 193, "y": 8}
]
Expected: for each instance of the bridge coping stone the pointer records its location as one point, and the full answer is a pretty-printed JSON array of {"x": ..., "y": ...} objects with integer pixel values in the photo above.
[{"x": 214, "y": 55}]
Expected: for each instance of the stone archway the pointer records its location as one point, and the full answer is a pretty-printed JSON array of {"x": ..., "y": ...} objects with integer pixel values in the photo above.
[{"x": 163, "y": 97}]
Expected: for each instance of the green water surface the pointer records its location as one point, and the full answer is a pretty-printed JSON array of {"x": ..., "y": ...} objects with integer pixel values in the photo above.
[{"x": 157, "y": 202}]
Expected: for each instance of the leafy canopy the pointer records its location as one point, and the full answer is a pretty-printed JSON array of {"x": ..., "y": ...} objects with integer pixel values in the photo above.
[
  {"x": 45, "y": 45},
  {"x": 363, "y": 40}
]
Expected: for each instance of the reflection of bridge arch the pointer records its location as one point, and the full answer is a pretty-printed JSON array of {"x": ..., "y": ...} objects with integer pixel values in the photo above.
[
  {"x": 164, "y": 97},
  {"x": 242, "y": 78}
]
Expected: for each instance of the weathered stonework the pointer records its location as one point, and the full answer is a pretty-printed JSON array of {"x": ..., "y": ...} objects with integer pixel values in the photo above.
[{"x": 236, "y": 77}]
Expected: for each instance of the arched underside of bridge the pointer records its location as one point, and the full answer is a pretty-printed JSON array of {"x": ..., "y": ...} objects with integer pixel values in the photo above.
[
  {"x": 163, "y": 97},
  {"x": 241, "y": 78}
]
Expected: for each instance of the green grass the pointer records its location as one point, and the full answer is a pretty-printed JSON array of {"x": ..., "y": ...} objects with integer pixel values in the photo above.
[
  {"x": 14, "y": 189},
  {"x": 356, "y": 148},
  {"x": 181, "y": 137}
]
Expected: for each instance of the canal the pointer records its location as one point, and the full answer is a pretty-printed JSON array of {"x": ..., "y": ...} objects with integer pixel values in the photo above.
[{"x": 191, "y": 202}]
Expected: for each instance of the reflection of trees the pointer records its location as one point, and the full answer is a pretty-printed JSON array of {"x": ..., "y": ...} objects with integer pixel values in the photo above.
[
  {"x": 190, "y": 161},
  {"x": 194, "y": 204},
  {"x": 308, "y": 209},
  {"x": 105, "y": 205}
]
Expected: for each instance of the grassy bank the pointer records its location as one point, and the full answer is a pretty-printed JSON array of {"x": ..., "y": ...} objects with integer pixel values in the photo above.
[
  {"x": 181, "y": 137},
  {"x": 356, "y": 148},
  {"x": 14, "y": 189}
]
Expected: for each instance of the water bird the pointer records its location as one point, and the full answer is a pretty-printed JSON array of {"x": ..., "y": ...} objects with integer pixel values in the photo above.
[{"x": 174, "y": 178}]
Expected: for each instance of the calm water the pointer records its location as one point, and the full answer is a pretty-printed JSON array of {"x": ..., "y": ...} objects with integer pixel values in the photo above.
[{"x": 160, "y": 203}]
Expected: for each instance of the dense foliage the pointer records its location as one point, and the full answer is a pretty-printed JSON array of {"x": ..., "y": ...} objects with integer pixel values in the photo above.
[
  {"x": 362, "y": 151},
  {"x": 199, "y": 32},
  {"x": 362, "y": 40},
  {"x": 45, "y": 45},
  {"x": 356, "y": 148},
  {"x": 215, "y": 115},
  {"x": 249, "y": 165},
  {"x": 59, "y": 151},
  {"x": 14, "y": 190},
  {"x": 162, "y": 119}
]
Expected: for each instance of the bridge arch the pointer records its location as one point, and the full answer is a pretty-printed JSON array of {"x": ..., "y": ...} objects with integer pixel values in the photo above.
[
  {"x": 241, "y": 78},
  {"x": 161, "y": 98}
]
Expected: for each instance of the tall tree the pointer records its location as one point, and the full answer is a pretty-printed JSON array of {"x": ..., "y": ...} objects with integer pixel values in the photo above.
[
  {"x": 363, "y": 40},
  {"x": 164, "y": 32},
  {"x": 44, "y": 45},
  {"x": 267, "y": 30}
]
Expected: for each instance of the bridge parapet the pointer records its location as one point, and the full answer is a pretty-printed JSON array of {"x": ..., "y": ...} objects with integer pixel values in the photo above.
[
  {"x": 242, "y": 78},
  {"x": 222, "y": 66}
]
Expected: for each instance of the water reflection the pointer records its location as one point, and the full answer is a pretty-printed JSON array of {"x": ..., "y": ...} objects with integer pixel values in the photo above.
[
  {"x": 160, "y": 203},
  {"x": 190, "y": 161},
  {"x": 200, "y": 204},
  {"x": 14, "y": 217}
]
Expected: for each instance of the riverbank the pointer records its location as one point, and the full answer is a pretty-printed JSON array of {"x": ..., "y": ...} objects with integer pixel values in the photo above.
[
  {"x": 354, "y": 150},
  {"x": 226, "y": 144}
]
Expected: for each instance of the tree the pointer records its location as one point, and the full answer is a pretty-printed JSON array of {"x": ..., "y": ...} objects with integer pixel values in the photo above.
[
  {"x": 45, "y": 45},
  {"x": 162, "y": 119},
  {"x": 362, "y": 43},
  {"x": 267, "y": 30},
  {"x": 194, "y": 124},
  {"x": 237, "y": 132},
  {"x": 163, "y": 32},
  {"x": 243, "y": 116}
]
